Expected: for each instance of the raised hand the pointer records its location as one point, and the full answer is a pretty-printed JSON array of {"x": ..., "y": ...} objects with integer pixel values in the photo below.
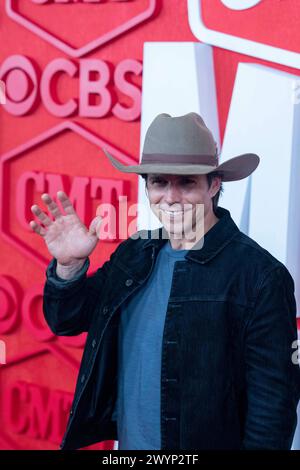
[{"x": 67, "y": 238}]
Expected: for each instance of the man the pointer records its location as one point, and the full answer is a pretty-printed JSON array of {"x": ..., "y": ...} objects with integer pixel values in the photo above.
[{"x": 190, "y": 329}]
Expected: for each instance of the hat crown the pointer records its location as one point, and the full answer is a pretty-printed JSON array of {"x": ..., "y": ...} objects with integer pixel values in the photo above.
[
  {"x": 180, "y": 135},
  {"x": 183, "y": 145}
]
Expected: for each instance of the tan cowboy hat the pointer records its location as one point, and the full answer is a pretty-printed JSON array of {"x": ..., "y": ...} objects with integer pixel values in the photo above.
[{"x": 183, "y": 145}]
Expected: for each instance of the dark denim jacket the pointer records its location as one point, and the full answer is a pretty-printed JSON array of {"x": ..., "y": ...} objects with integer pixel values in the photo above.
[{"x": 227, "y": 376}]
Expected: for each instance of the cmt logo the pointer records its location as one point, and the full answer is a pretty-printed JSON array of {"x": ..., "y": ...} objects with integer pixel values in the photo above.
[
  {"x": 249, "y": 27},
  {"x": 36, "y": 412}
]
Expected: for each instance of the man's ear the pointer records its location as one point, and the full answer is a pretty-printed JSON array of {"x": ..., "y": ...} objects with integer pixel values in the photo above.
[{"x": 217, "y": 182}]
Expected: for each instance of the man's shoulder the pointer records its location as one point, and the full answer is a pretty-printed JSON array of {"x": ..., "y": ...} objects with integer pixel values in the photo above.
[{"x": 251, "y": 251}]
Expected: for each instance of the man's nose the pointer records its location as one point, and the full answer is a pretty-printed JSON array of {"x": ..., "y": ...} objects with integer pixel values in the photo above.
[{"x": 172, "y": 194}]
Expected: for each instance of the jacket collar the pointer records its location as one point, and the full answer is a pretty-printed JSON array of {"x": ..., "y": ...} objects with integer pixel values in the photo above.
[{"x": 214, "y": 240}]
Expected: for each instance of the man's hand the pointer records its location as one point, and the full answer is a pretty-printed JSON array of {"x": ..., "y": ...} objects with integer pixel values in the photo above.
[{"x": 67, "y": 238}]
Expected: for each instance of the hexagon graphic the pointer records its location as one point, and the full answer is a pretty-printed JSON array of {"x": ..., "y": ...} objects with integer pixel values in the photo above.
[
  {"x": 37, "y": 351},
  {"x": 151, "y": 9},
  {"x": 16, "y": 310},
  {"x": 6, "y": 215},
  {"x": 61, "y": 355}
]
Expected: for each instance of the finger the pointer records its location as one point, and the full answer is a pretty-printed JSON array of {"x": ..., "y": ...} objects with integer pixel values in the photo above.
[
  {"x": 66, "y": 203},
  {"x": 95, "y": 226},
  {"x": 37, "y": 228},
  {"x": 52, "y": 206},
  {"x": 41, "y": 215}
]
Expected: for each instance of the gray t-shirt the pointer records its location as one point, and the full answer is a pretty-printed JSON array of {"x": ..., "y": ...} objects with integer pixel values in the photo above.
[{"x": 140, "y": 346}]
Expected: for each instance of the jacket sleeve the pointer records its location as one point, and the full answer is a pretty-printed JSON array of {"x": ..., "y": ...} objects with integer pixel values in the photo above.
[
  {"x": 272, "y": 377},
  {"x": 68, "y": 305}
]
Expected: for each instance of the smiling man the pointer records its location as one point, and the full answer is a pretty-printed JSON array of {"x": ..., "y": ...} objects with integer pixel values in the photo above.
[
  {"x": 191, "y": 328},
  {"x": 183, "y": 204}
]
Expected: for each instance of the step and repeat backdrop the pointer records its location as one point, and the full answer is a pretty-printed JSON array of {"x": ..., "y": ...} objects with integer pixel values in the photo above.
[{"x": 78, "y": 75}]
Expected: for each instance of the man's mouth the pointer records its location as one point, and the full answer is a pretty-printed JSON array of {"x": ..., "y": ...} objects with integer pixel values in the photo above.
[{"x": 173, "y": 213}]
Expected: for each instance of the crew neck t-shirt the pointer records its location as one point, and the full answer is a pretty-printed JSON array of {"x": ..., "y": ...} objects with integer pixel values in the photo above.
[{"x": 137, "y": 409}]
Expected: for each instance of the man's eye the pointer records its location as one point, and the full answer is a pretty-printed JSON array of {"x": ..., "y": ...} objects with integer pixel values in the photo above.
[
  {"x": 187, "y": 181},
  {"x": 158, "y": 181},
  {"x": 183, "y": 181}
]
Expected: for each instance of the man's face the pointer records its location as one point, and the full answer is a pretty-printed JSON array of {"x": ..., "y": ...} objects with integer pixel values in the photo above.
[{"x": 181, "y": 202}]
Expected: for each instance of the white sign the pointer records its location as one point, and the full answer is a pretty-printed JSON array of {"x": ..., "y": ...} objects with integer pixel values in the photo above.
[
  {"x": 236, "y": 43},
  {"x": 240, "y": 4},
  {"x": 178, "y": 77}
]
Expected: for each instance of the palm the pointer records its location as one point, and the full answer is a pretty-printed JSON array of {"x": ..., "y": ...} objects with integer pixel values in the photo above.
[{"x": 67, "y": 238}]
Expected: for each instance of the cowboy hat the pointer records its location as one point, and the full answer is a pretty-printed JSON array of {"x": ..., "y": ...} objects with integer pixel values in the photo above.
[{"x": 184, "y": 145}]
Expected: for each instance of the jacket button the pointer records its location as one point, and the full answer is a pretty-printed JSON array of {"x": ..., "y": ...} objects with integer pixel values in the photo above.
[
  {"x": 94, "y": 342},
  {"x": 71, "y": 412},
  {"x": 82, "y": 378},
  {"x": 105, "y": 310},
  {"x": 128, "y": 282}
]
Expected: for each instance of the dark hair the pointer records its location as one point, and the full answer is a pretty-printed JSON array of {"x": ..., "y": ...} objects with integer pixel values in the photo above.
[{"x": 210, "y": 177}]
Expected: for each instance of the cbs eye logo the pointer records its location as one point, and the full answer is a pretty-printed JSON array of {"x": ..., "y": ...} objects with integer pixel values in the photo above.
[{"x": 238, "y": 43}]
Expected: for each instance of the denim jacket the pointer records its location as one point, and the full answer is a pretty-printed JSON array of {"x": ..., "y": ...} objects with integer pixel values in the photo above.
[{"x": 227, "y": 376}]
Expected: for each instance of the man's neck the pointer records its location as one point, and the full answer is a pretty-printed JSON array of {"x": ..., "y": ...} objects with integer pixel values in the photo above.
[{"x": 185, "y": 243}]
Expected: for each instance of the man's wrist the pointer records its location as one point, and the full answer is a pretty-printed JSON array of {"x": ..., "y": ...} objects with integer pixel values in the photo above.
[{"x": 67, "y": 272}]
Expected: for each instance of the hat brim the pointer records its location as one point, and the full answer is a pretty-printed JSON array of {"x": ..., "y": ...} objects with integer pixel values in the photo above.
[{"x": 234, "y": 169}]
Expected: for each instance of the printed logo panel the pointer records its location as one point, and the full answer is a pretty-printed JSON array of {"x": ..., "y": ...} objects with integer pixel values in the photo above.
[
  {"x": 29, "y": 171},
  {"x": 258, "y": 29},
  {"x": 68, "y": 25}
]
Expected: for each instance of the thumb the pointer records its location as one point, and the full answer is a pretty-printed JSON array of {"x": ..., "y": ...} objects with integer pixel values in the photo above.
[{"x": 95, "y": 226}]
